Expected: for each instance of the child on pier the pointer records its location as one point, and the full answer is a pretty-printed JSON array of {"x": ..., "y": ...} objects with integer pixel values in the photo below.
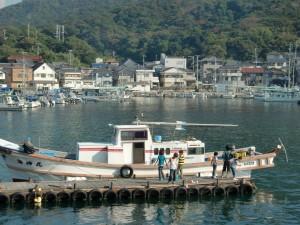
[{"x": 161, "y": 160}]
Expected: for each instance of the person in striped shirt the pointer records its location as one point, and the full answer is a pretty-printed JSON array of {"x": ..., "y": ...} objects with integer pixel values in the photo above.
[{"x": 180, "y": 164}]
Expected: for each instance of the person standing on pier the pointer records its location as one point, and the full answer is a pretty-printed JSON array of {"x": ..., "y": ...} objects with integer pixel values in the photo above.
[
  {"x": 214, "y": 163},
  {"x": 226, "y": 157},
  {"x": 161, "y": 161},
  {"x": 180, "y": 164},
  {"x": 173, "y": 163}
]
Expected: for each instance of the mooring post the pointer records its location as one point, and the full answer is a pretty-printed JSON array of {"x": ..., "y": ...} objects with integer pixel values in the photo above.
[
  {"x": 111, "y": 185},
  {"x": 74, "y": 186},
  {"x": 217, "y": 182},
  {"x": 148, "y": 185},
  {"x": 183, "y": 183}
]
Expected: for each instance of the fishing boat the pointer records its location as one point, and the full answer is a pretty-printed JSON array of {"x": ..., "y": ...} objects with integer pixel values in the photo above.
[
  {"x": 281, "y": 94},
  {"x": 131, "y": 153}
]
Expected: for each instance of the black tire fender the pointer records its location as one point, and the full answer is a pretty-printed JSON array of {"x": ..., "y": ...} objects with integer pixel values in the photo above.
[{"x": 124, "y": 171}]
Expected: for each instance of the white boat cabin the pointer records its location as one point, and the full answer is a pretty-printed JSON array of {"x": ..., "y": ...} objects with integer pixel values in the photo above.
[{"x": 133, "y": 144}]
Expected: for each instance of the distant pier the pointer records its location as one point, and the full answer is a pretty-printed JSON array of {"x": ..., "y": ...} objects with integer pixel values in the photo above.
[{"x": 121, "y": 190}]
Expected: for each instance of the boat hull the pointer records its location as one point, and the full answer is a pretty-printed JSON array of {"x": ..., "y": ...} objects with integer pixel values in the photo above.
[{"x": 25, "y": 166}]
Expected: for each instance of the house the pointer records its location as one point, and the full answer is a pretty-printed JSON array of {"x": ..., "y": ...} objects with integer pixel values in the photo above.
[
  {"x": 19, "y": 76},
  {"x": 44, "y": 77},
  {"x": 177, "y": 78},
  {"x": 230, "y": 79},
  {"x": 276, "y": 61},
  {"x": 253, "y": 76},
  {"x": 2, "y": 77},
  {"x": 71, "y": 79},
  {"x": 145, "y": 77},
  {"x": 29, "y": 60},
  {"x": 124, "y": 75},
  {"x": 173, "y": 62},
  {"x": 208, "y": 69}
]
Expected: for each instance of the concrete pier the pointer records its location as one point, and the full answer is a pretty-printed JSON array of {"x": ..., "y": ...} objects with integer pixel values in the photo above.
[{"x": 112, "y": 190}]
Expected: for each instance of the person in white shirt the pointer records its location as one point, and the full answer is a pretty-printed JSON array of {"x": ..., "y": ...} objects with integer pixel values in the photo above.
[{"x": 173, "y": 163}]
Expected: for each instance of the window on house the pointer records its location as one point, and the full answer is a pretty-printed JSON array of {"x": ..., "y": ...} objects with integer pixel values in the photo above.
[
  {"x": 43, "y": 75},
  {"x": 168, "y": 151}
]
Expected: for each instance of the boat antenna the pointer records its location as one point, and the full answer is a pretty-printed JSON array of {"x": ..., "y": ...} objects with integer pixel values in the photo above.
[{"x": 284, "y": 149}]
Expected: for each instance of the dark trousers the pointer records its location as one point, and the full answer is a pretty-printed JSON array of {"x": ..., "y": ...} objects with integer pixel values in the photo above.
[
  {"x": 214, "y": 170},
  {"x": 172, "y": 176},
  {"x": 161, "y": 173}
]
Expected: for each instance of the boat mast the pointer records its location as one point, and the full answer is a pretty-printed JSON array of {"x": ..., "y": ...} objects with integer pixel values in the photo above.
[
  {"x": 289, "y": 69},
  {"x": 294, "y": 65}
]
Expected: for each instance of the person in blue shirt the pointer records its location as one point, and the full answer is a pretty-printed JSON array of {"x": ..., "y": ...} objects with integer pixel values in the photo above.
[{"x": 161, "y": 161}]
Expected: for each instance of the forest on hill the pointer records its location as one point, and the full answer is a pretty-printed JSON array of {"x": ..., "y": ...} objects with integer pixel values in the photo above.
[{"x": 133, "y": 28}]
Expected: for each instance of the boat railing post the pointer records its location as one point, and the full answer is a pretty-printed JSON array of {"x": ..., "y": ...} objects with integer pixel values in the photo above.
[
  {"x": 74, "y": 186},
  {"x": 148, "y": 185},
  {"x": 111, "y": 185}
]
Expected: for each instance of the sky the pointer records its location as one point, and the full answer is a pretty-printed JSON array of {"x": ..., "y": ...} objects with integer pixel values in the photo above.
[{"x": 4, "y": 3}]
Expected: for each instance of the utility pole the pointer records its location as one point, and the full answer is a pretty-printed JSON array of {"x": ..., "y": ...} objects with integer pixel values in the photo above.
[
  {"x": 193, "y": 62},
  {"x": 4, "y": 35},
  {"x": 70, "y": 57},
  {"x": 28, "y": 30},
  {"x": 255, "y": 55},
  {"x": 197, "y": 71},
  {"x": 23, "y": 74},
  {"x": 215, "y": 74},
  {"x": 63, "y": 33}
]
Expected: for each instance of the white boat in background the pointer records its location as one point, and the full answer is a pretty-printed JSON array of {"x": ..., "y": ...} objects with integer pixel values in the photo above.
[
  {"x": 130, "y": 154},
  {"x": 280, "y": 94},
  {"x": 8, "y": 104}
]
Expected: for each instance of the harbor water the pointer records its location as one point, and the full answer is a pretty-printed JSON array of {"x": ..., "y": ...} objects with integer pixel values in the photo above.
[{"x": 277, "y": 200}]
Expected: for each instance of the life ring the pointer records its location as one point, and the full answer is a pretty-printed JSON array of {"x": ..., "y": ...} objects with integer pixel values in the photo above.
[{"x": 126, "y": 171}]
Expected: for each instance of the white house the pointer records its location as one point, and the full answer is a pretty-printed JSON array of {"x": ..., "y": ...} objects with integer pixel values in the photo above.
[
  {"x": 175, "y": 62},
  {"x": 177, "y": 78},
  {"x": 230, "y": 79},
  {"x": 71, "y": 80},
  {"x": 44, "y": 77},
  {"x": 146, "y": 77}
]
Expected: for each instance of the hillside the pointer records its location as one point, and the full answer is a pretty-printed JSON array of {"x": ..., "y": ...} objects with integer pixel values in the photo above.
[{"x": 132, "y": 28}]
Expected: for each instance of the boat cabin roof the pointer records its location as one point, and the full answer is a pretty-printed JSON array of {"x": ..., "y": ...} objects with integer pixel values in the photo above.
[{"x": 130, "y": 127}]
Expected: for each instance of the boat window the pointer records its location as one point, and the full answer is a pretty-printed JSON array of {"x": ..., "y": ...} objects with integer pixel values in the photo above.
[
  {"x": 134, "y": 135},
  {"x": 156, "y": 151},
  {"x": 168, "y": 151},
  {"x": 29, "y": 163},
  {"x": 195, "y": 151},
  {"x": 20, "y": 161}
]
